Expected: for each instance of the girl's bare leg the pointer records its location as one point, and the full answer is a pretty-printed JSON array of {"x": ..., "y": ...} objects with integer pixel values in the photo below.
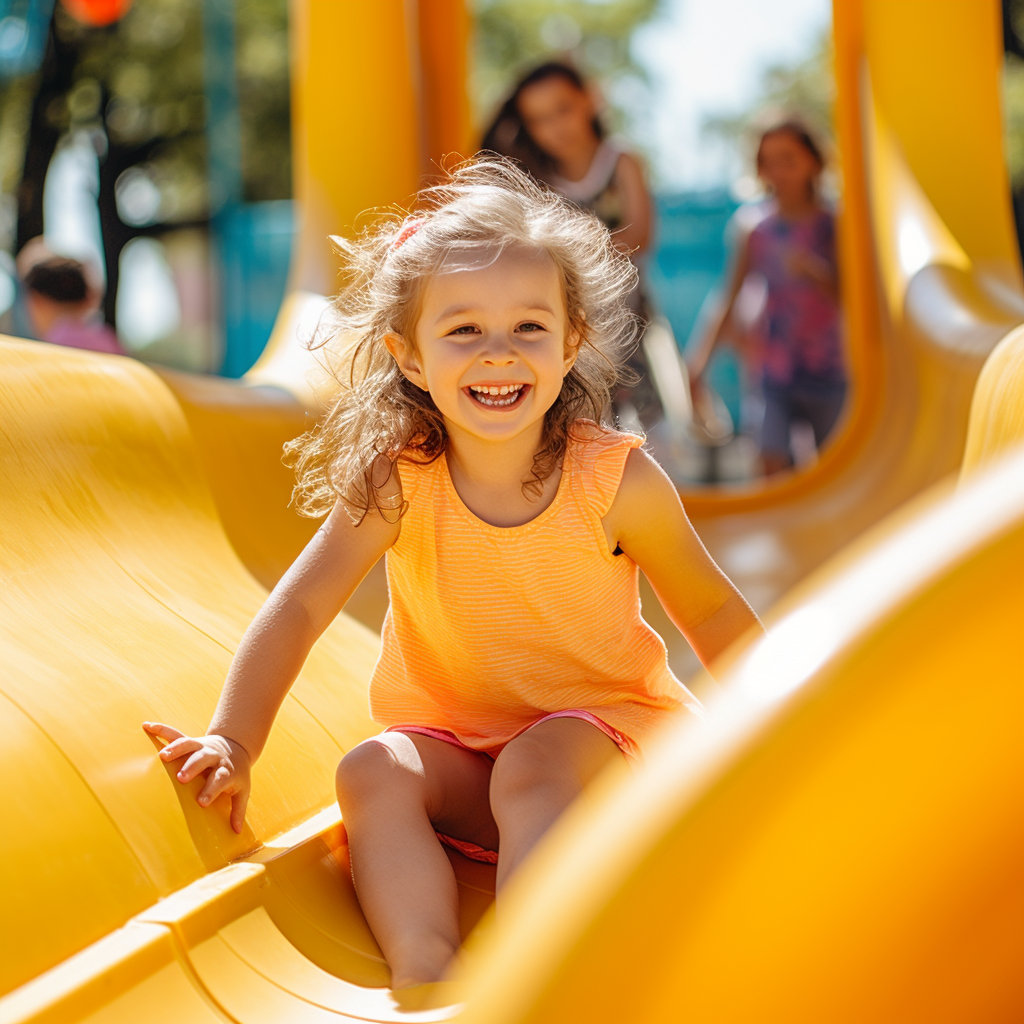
[
  {"x": 536, "y": 777},
  {"x": 394, "y": 790}
]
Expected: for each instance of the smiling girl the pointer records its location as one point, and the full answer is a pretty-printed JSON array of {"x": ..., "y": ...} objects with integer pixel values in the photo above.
[{"x": 467, "y": 445}]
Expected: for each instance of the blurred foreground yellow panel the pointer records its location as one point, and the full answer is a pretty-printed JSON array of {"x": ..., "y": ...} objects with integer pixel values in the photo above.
[{"x": 841, "y": 842}]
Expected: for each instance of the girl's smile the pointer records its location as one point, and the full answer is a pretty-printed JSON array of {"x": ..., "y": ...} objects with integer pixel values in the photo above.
[{"x": 497, "y": 396}]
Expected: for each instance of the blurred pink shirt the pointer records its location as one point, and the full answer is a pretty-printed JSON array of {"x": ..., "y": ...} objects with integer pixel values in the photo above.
[{"x": 96, "y": 336}]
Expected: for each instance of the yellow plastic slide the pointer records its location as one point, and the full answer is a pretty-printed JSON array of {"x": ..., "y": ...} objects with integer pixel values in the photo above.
[
  {"x": 123, "y": 600},
  {"x": 842, "y": 841}
]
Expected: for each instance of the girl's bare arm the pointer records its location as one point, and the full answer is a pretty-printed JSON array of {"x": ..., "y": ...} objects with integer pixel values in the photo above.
[
  {"x": 648, "y": 522},
  {"x": 635, "y": 233},
  {"x": 271, "y": 654},
  {"x": 302, "y": 605},
  {"x": 697, "y": 360}
]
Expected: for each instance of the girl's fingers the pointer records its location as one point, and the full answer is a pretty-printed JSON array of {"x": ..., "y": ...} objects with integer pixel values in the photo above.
[
  {"x": 197, "y": 763},
  {"x": 239, "y": 802},
  {"x": 179, "y": 748},
  {"x": 165, "y": 732},
  {"x": 214, "y": 785},
  {"x": 201, "y": 759}
]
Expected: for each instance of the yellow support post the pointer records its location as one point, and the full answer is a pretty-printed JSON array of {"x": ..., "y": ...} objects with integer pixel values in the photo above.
[
  {"x": 444, "y": 27},
  {"x": 355, "y": 123}
]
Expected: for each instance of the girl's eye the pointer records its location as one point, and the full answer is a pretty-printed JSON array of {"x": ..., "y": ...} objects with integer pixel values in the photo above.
[
  {"x": 530, "y": 328},
  {"x": 465, "y": 329}
]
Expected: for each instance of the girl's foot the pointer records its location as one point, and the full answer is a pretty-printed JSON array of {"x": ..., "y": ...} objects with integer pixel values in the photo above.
[{"x": 427, "y": 995}]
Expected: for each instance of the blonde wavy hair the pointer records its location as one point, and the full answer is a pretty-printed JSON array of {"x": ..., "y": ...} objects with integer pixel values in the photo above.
[{"x": 379, "y": 416}]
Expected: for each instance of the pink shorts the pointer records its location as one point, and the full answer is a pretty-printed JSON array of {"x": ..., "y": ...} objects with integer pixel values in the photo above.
[{"x": 629, "y": 750}]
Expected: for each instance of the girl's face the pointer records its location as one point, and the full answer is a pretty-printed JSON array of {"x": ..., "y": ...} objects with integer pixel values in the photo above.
[
  {"x": 787, "y": 167},
  {"x": 558, "y": 117},
  {"x": 491, "y": 343}
]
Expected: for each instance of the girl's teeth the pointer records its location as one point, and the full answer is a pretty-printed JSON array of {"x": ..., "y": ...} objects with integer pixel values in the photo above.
[
  {"x": 494, "y": 389},
  {"x": 484, "y": 392}
]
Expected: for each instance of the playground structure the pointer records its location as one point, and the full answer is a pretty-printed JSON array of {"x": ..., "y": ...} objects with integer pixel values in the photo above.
[{"x": 842, "y": 843}]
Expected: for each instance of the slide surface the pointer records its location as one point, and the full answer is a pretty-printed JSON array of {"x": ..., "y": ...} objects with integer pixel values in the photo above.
[{"x": 123, "y": 601}]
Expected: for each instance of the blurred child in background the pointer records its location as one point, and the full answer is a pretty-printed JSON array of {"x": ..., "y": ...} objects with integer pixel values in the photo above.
[
  {"x": 62, "y": 301},
  {"x": 792, "y": 248}
]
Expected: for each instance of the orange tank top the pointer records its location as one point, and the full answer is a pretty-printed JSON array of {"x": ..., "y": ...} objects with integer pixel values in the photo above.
[{"x": 492, "y": 628}]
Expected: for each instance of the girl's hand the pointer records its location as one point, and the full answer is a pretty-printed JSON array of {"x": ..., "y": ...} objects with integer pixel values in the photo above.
[
  {"x": 225, "y": 763},
  {"x": 810, "y": 266}
]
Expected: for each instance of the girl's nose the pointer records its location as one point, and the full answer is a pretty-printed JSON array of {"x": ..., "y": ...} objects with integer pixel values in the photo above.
[{"x": 498, "y": 353}]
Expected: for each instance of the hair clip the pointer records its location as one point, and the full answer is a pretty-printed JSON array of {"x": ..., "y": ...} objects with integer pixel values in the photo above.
[{"x": 408, "y": 230}]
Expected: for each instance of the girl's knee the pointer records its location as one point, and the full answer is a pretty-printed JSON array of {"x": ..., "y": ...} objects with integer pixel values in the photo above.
[
  {"x": 371, "y": 766},
  {"x": 552, "y": 762},
  {"x": 529, "y": 769}
]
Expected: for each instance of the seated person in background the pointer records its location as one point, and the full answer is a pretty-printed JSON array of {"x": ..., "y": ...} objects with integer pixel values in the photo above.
[
  {"x": 793, "y": 249},
  {"x": 62, "y": 304}
]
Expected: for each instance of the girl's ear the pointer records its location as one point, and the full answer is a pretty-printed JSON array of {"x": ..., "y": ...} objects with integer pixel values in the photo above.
[
  {"x": 405, "y": 355},
  {"x": 572, "y": 350}
]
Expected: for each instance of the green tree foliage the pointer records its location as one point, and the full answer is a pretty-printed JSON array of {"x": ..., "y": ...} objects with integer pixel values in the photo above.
[
  {"x": 138, "y": 85},
  {"x": 1013, "y": 92},
  {"x": 262, "y": 66},
  {"x": 594, "y": 35}
]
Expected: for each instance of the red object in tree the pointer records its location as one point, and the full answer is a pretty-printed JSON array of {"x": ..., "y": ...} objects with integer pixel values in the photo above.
[{"x": 97, "y": 12}]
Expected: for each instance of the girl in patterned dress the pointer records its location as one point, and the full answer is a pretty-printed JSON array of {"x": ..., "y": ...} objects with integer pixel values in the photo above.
[{"x": 793, "y": 249}]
